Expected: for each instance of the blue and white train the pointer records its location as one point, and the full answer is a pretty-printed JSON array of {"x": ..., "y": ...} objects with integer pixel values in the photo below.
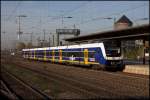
[{"x": 104, "y": 55}]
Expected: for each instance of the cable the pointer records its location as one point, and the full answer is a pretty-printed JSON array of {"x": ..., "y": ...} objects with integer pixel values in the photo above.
[
  {"x": 78, "y": 7},
  {"x": 70, "y": 11},
  {"x": 13, "y": 12},
  {"x": 101, "y": 29},
  {"x": 126, "y": 10},
  {"x": 118, "y": 13}
]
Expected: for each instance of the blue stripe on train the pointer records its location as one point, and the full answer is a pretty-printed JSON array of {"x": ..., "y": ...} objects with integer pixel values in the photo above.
[{"x": 98, "y": 55}]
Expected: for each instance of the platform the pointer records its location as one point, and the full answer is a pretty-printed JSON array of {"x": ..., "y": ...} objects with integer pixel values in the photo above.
[{"x": 137, "y": 69}]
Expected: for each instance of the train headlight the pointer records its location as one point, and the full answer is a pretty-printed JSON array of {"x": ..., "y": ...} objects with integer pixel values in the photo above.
[{"x": 112, "y": 63}]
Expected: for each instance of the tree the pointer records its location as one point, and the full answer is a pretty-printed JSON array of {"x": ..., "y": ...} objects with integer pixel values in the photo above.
[
  {"x": 29, "y": 45},
  {"x": 20, "y": 46}
]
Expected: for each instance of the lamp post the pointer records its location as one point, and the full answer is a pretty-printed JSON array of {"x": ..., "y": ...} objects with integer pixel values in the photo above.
[
  {"x": 50, "y": 38},
  {"x": 19, "y": 27},
  {"x": 110, "y": 18}
]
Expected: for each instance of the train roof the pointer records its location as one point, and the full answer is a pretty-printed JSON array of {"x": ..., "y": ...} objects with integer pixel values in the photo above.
[{"x": 91, "y": 45}]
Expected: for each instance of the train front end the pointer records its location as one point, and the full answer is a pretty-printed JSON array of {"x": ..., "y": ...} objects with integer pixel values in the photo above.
[{"x": 113, "y": 56}]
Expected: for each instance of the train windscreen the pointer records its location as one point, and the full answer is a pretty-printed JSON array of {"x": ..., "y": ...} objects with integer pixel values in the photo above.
[{"x": 113, "y": 48}]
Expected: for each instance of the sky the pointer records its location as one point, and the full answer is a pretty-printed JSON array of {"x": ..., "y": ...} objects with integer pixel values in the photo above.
[{"x": 88, "y": 16}]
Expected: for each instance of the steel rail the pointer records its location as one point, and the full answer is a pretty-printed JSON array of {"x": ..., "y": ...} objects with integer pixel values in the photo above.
[
  {"x": 137, "y": 86},
  {"x": 33, "y": 89},
  {"x": 67, "y": 79}
]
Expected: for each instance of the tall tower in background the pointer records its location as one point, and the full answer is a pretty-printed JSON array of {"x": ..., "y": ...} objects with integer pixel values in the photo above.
[{"x": 123, "y": 22}]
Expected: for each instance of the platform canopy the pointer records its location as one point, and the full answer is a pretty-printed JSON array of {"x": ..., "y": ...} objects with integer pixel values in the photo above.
[{"x": 131, "y": 33}]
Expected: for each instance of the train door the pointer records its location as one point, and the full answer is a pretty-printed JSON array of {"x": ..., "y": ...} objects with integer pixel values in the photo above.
[
  {"x": 53, "y": 55},
  {"x": 60, "y": 56},
  {"x": 85, "y": 56},
  {"x": 45, "y": 56}
]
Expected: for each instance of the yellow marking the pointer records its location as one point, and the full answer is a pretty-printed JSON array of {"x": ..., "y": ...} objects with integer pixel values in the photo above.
[
  {"x": 60, "y": 56},
  {"x": 82, "y": 62},
  {"x": 92, "y": 63},
  {"x": 60, "y": 60},
  {"x": 86, "y": 56},
  {"x": 71, "y": 61},
  {"x": 45, "y": 55}
]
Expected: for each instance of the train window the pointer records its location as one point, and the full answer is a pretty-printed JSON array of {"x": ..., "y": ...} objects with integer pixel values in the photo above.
[
  {"x": 77, "y": 54},
  {"x": 56, "y": 53},
  {"x": 41, "y": 53},
  {"x": 70, "y": 54},
  {"x": 47, "y": 53},
  {"x": 32, "y": 53},
  {"x": 50, "y": 53},
  {"x": 26, "y": 53},
  {"x": 91, "y": 54},
  {"x": 74, "y": 53},
  {"x": 38, "y": 53},
  {"x": 64, "y": 53}
]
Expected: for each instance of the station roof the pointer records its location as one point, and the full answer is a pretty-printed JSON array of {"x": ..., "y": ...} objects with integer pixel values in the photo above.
[{"x": 138, "y": 32}]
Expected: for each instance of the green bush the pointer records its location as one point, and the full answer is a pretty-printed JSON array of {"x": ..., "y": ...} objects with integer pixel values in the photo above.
[{"x": 133, "y": 53}]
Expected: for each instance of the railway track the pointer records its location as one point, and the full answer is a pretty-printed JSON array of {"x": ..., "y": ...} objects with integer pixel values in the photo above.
[
  {"x": 76, "y": 86},
  {"x": 103, "y": 88},
  {"x": 103, "y": 85},
  {"x": 6, "y": 92},
  {"x": 117, "y": 78},
  {"x": 20, "y": 89}
]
